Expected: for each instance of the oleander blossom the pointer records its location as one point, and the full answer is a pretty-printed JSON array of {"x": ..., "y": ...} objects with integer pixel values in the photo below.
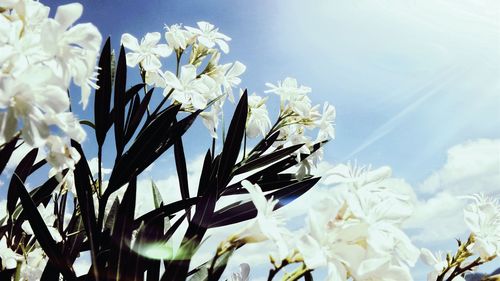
[
  {"x": 39, "y": 58},
  {"x": 356, "y": 230},
  {"x": 482, "y": 217},
  {"x": 268, "y": 225},
  {"x": 147, "y": 53}
]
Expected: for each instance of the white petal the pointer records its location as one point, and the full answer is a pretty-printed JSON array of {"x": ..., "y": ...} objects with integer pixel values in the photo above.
[
  {"x": 162, "y": 50},
  {"x": 151, "y": 39},
  {"x": 130, "y": 42},
  {"x": 66, "y": 15}
]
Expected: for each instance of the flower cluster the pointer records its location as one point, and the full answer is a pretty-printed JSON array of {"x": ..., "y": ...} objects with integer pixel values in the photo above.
[
  {"x": 355, "y": 231},
  {"x": 298, "y": 114},
  {"x": 39, "y": 58},
  {"x": 482, "y": 217},
  {"x": 193, "y": 86}
]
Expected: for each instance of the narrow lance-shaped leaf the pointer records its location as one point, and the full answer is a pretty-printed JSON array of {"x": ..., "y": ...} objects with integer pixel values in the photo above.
[
  {"x": 20, "y": 174},
  {"x": 6, "y": 152},
  {"x": 122, "y": 233},
  {"x": 119, "y": 101},
  {"x": 233, "y": 141},
  {"x": 41, "y": 232},
  {"x": 244, "y": 211},
  {"x": 180, "y": 164},
  {"x": 86, "y": 203},
  {"x": 103, "y": 94},
  {"x": 137, "y": 115},
  {"x": 266, "y": 159}
]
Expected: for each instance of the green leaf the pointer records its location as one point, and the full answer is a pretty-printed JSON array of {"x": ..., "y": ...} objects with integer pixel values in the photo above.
[
  {"x": 83, "y": 179},
  {"x": 157, "y": 200},
  {"x": 165, "y": 211},
  {"x": 180, "y": 164},
  {"x": 19, "y": 177},
  {"x": 41, "y": 232},
  {"x": 266, "y": 159},
  {"x": 137, "y": 113},
  {"x": 139, "y": 155},
  {"x": 87, "y": 123},
  {"x": 233, "y": 142},
  {"x": 242, "y": 211},
  {"x": 103, "y": 94},
  {"x": 120, "y": 102},
  {"x": 6, "y": 152},
  {"x": 122, "y": 233}
]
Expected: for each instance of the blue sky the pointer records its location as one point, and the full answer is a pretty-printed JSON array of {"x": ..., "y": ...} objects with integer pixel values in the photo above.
[{"x": 409, "y": 79}]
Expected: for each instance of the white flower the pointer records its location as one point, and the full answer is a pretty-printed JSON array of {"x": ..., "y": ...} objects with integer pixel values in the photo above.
[
  {"x": 381, "y": 269},
  {"x": 48, "y": 217},
  {"x": 258, "y": 122},
  {"x": 28, "y": 98},
  {"x": 9, "y": 257},
  {"x": 147, "y": 53},
  {"x": 75, "y": 48},
  {"x": 189, "y": 90},
  {"x": 288, "y": 89},
  {"x": 326, "y": 129},
  {"x": 228, "y": 76},
  {"x": 242, "y": 275},
  {"x": 483, "y": 218},
  {"x": 207, "y": 35},
  {"x": 177, "y": 38},
  {"x": 438, "y": 264},
  {"x": 211, "y": 119},
  {"x": 34, "y": 266},
  {"x": 267, "y": 225}
]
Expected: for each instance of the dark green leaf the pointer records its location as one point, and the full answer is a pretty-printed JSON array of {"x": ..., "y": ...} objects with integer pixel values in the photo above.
[
  {"x": 119, "y": 101},
  {"x": 180, "y": 164},
  {"x": 122, "y": 233},
  {"x": 87, "y": 123},
  {"x": 41, "y": 232},
  {"x": 157, "y": 200},
  {"x": 242, "y": 211},
  {"x": 233, "y": 141},
  {"x": 6, "y": 152},
  {"x": 137, "y": 114},
  {"x": 165, "y": 211},
  {"x": 266, "y": 159},
  {"x": 83, "y": 179},
  {"x": 103, "y": 94},
  {"x": 19, "y": 177}
]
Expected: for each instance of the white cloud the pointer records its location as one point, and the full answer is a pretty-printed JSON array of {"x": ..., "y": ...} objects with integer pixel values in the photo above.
[{"x": 471, "y": 167}]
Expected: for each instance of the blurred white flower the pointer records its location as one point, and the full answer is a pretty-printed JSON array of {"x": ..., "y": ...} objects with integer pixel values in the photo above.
[
  {"x": 325, "y": 124},
  {"x": 288, "y": 89},
  {"x": 211, "y": 119},
  {"x": 438, "y": 264},
  {"x": 268, "y": 225},
  {"x": 208, "y": 36},
  {"x": 482, "y": 217},
  {"x": 356, "y": 230},
  {"x": 48, "y": 217},
  {"x": 228, "y": 76},
  {"x": 36, "y": 261},
  {"x": 177, "y": 37},
  {"x": 242, "y": 275},
  {"x": 258, "y": 122},
  {"x": 147, "y": 53},
  {"x": 74, "y": 47},
  {"x": 9, "y": 257},
  {"x": 381, "y": 269}
]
